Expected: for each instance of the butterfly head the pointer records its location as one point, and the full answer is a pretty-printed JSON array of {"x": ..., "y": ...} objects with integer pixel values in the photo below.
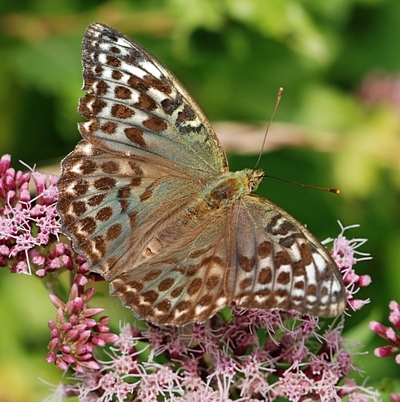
[{"x": 254, "y": 178}]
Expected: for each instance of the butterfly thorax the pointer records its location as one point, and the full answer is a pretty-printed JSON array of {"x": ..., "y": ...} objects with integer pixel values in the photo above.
[{"x": 230, "y": 186}]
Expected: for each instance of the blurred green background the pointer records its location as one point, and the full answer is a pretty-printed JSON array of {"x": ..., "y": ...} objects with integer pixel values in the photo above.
[{"x": 339, "y": 126}]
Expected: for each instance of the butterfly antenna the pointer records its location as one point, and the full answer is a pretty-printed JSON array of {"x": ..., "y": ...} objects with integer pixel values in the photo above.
[
  {"x": 278, "y": 100},
  {"x": 331, "y": 190}
]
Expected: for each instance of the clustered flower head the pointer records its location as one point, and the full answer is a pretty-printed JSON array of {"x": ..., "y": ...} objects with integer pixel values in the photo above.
[
  {"x": 30, "y": 233},
  {"x": 239, "y": 354},
  {"x": 75, "y": 332},
  {"x": 29, "y": 226},
  {"x": 235, "y": 357},
  {"x": 344, "y": 252},
  {"x": 389, "y": 334}
]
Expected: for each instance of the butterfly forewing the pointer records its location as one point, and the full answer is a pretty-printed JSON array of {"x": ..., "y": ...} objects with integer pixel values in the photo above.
[
  {"x": 147, "y": 198},
  {"x": 134, "y": 104}
]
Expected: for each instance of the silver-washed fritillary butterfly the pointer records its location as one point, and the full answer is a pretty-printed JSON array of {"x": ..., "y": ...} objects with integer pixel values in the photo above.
[{"x": 148, "y": 199}]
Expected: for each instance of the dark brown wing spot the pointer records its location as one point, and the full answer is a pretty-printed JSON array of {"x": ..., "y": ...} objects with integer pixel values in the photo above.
[
  {"x": 88, "y": 225},
  {"x": 136, "y": 285},
  {"x": 147, "y": 193},
  {"x": 114, "y": 231},
  {"x": 136, "y": 181},
  {"x": 245, "y": 283},
  {"x": 121, "y": 112},
  {"x": 312, "y": 290},
  {"x": 122, "y": 92},
  {"x": 282, "y": 258},
  {"x": 109, "y": 127},
  {"x": 195, "y": 286},
  {"x": 298, "y": 268},
  {"x": 186, "y": 114},
  {"x": 265, "y": 276},
  {"x": 146, "y": 102},
  {"x": 283, "y": 278},
  {"x": 141, "y": 308},
  {"x": 124, "y": 192},
  {"x": 153, "y": 82},
  {"x": 299, "y": 285},
  {"x": 263, "y": 293},
  {"x": 305, "y": 253},
  {"x": 91, "y": 106},
  {"x": 96, "y": 200},
  {"x": 105, "y": 183},
  {"x": 113, "y": 61},
  {"x": 272, "y": 223},
  {"x": 285, "y": 228},
  {"x": 164, "y": 306},
  {"x": 264, "y": 249},
  {"x": 246, "y": 263},
  {"x": 104, "y": 214},
  {"x": 153, "y": 274},
  {"x": 155, "y": 124},
  {"x": 177, "y": 291},
  {"x": 124, "y": 204},
  {"x": 110, "y": 167},
  {"x": 288, "y": 241},
  {"x": 135, "y": 135},
  {"x": 78, "y": 208},
  {"x": 98, "y": 70},
  {"x": 135, "y": 168},
  {"x": 101, "y": 88},
  {"x": 281, "y": 292},
  {"x": 81, "y": 187},
  {"x": 166, "y": 284},
  {"x": 116, "y": 75},
  {"x": 212, "y": 281},
  {"x": 170, "y": 105},
  {"x": 205, "y": 301},
  {"x": 150, "y": 296},
  {"x": 137, "y": 83},
  {"x": 88, "y": 167},
  {"x": 183, "y": 305},
  {"x": 132, "y": 219}
]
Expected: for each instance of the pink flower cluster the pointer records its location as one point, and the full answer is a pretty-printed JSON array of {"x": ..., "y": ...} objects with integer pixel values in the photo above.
[
  {"x": 29, "y": 241},
  {"x": 75, "y": 332},
  {"x": 29, "y": 225},
  {"x": 249, "y": 356},
  {"x": 388, "y": 333},
  {"x": 344, "y": 252},
  {"x": 243, "y": 355}
]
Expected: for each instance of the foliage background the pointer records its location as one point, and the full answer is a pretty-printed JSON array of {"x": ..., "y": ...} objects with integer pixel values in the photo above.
[{"x": 232, "y": 55}]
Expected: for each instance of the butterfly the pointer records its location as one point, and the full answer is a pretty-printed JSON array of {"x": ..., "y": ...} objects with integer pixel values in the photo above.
[{"x": 148, "y": 199}]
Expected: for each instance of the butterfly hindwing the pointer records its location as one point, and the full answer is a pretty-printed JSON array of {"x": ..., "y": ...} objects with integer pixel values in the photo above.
[
  {"x": 280, "y": 264},
  {"x": 184, "y": 279}
]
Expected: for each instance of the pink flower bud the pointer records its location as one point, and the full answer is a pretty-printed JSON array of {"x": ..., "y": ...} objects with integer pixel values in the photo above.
[
  {"x": 51, "y": 357},
  {"x": 384, "y": 351}
]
